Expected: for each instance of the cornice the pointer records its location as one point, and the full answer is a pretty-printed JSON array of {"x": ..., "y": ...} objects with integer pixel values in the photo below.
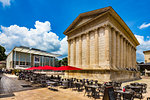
[{"x": 109, "y": 13}]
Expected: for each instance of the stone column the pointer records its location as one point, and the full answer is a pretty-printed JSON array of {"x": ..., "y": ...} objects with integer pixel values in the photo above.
[
  {"x": 124, "y": 53},
  {"x": 77, "y": 51},
  {"x": 88, "y": 50},
  {"x": 101, "y": 43},
  {"x": 114, "y": 49},
  {"x": 117, "y": 49},
  {"x": 96, "y": 47},
  {"x": 68, "y": 52},
  {"x": 121, "y": 51},
  {"x": 130, "y": 60},
  {"x": 71, "y": 53},
  {"x": 135, "y": 58},
  {"x": 107, "y": 44},
  {"x": 74, "y": 53},
  {"x": 80, "y": 51},
  {"x": 129, "y": 56},
  {"x": 119, "y": 58}
]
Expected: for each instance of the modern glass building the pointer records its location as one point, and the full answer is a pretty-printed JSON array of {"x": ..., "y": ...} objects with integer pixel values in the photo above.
[{"x": 25, "y": 57}]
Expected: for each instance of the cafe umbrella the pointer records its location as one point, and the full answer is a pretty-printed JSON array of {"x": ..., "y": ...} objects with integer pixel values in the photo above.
[
  {"x": 65, "y": 68},
  {"x": 46, "y": 67},
  {"x": 31, "y": 68}
]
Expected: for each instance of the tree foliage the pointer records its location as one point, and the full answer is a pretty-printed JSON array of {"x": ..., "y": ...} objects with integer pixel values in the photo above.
[
  {"x": 63, "y": 62},
  {"x": 2, "y": 53}
]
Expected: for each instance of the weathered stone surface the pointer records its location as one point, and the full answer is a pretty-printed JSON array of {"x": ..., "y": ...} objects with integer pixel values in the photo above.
[
  {"x": 103, "y": 46},
  {"x": 147, "y": 56}
]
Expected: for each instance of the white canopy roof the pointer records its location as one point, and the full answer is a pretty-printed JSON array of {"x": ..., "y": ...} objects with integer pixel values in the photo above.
[{"x": 37, "y": 52}]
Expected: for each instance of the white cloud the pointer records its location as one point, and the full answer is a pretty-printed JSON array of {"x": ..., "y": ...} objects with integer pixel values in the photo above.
[
  {"x": 40, "y": 37},
  {"x": 144, "y": 45},
  {"x": 5, "y": 2},
  {"x": 63, "y": 47},
  {"x": 144, "y": 25}
]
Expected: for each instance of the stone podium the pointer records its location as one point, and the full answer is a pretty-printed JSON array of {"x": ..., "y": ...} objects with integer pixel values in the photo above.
[{"x": 102, "y": 45}]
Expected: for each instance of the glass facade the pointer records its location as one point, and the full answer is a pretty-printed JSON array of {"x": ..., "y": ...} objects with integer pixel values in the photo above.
[{"x": 24, "y": 59}]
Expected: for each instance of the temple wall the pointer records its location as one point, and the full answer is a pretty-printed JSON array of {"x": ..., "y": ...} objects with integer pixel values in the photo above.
[
  {"x": 102, "y": 47},
  {"x": 147, "y": 56}
]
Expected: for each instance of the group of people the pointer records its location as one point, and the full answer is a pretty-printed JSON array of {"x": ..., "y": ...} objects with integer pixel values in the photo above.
[{"x": 6, "y": 71}]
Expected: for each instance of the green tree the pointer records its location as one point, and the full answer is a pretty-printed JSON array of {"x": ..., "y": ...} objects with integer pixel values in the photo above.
[
  {"x": 2, "y": 53},
  {"x": 57, "y": 63},
  {"x": 64, "y": 61}
]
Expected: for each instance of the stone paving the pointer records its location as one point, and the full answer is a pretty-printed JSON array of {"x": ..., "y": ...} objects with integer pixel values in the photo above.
[
  {"x": 10, "y": 84},
  {"x": 64, "y": 94}
]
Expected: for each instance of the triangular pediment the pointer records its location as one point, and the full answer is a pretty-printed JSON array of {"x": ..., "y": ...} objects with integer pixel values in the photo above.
[
  {"x": 85, "y": 17},
  {"x": 82, "y": 21}
]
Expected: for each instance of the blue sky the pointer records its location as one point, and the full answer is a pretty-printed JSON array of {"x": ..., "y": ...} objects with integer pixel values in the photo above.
[{"x": 22, "y": 19}]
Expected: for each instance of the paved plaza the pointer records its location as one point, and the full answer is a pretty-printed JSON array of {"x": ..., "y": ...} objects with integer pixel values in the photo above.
[{"x": 17, "y": 92}]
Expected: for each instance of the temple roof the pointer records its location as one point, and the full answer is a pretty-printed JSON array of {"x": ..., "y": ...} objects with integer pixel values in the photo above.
[
  {"x": 92, "y": 15},
  {"x": 146, "y": 51}
]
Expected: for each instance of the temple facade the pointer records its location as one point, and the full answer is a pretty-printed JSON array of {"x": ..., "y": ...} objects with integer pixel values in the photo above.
[
  {"x": 147, "y": 56},
  {"x": 102, "y": 45}
]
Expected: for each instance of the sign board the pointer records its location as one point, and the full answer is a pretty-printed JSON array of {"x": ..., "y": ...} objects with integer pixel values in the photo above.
[{"x": 36, "y": 59}]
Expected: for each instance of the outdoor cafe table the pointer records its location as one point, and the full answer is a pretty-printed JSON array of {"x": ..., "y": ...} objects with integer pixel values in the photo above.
[
  {"x": 78, "y": 84},
  {"x": 35, "y": 75},
  {"x": 135, "y": 87},
  {"x": 51, "y": 83},
  {"x": 55, "y": 80},
  {"x": 65, "y": 82},
  {"x": 93, "y": 87},
  {"x": 42, "y": 80},
  {"x": 121, "y": 92}
]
